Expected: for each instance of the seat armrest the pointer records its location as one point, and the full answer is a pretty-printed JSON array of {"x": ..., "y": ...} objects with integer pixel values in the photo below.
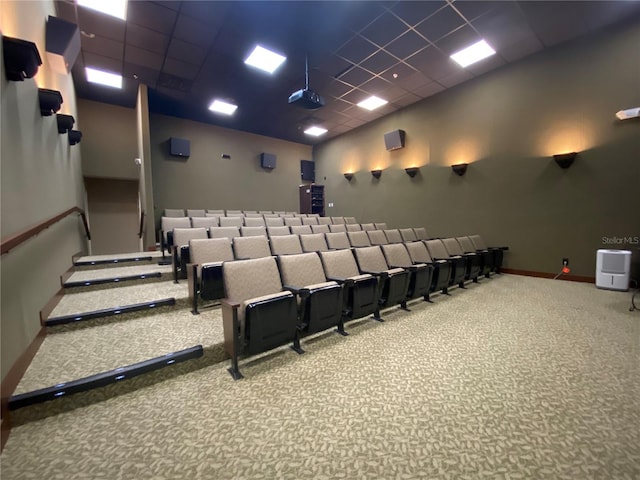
[
  {"x": 293, "y": 289},
  {"x": 230, "y": 303},
  {"x": 337, "y": 279}
]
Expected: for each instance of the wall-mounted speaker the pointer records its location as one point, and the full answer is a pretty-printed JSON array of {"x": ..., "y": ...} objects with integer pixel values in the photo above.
[
  {"x": 308, "y": 170},
  {"x": 394, "y": 140},
  {"x": 50, "y": 101},
  {"x": 62, "y": 43},
  {"x": 65, "y": 122},
  {"x": 21, "y": 59},
  {"x": 74, "y": 137},
  {"x": 179, "y": 147},
  {"x": 268, "y": 160}
]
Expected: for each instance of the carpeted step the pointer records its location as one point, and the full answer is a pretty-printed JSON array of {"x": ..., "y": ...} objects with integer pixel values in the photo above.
[
  {"x": 117, "y": 276},
  {"x": 117, "y": 260}
]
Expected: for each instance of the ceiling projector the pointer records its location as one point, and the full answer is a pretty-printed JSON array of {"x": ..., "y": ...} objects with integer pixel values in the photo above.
[{"x": 306, "y": 98}]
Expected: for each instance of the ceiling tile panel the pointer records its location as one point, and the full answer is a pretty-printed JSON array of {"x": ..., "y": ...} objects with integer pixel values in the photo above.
[
  {"x": 376, "y": 86},
  {"x": 406, "y": 45},
  {"x": 407, "y": 99},
  {"x": 413, "y": 81},
  {"x": 440, "y": 24},
  {"x": 193, "y": 31},
  {"x": 187, "y": 52},
  {"x": 397, "y": 72},
  {"x": 102, "y": 46},
  {"x": 156, "y": 17},
  {"x": 100, "y": 24},
  {"x": 146, "y": 39},
  {"x": 428, "y": 90},
  {"x": 337, "y": 89},
  {"x": 486, "y": 65},
  {"x": 102, "y": 63},
  {"x": 356, "y": 50},
  {"x": 520, "y": 49},
  {"x": 145, "y": 75},
  {"x": 180, "y": 69},
  {"x": 472, "y": 9},
  {"x": 379, "y": 62},
  {"x": 461, "y": 38},
  {"x": 138, "y": 56},
  {"x": 433, "y": 63},
  {"x": 413, "y": 12},
  {"x": 356, "y": 76},
  {"x": 384, "y": 29},
  {"x": 455, "y": 78}
]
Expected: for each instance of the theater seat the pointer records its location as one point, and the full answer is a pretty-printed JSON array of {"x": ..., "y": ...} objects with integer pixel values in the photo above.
[
  {"x": 360, "y": 292},
  {"x": 224, "y": 232},
  {"x": 231, "y": 221},
  {"x": 253, "y": 231},
  {"x": 337, "y": 240},
  {"x": 181, "y": 257},
  {"x": 367, "y": 226},
  {"x": 205, "y": 222},
  {"x": 377, "y": 237},
  {"x": 254, "y": 221},
  {"x": 353, "y": 227},
  {"x": 393, "y": 235},
  {"x": 322, "y": 228},
  {"x": 301, "y": 229},
  {"x": 337, "y": 220},
  {"x": 220, "y": 213},
  {"x": 319, "y": 300},
  {"x": 191, "y": 212},
  {"x": 441, "y": 268},
  {"x": 380, "y": 226},
  {"x": 393, "y": 282},
  {"x": 486, "y": 257},
  {"x": 173, "y": 212},
  {"x": 420, "y": 274},
  {"x": 498, "y": 252},
  {"x": 324, "y": 221},
  {"x": 408, "y": 235},
  {"x": 251, "y": 247},
  {"x": 273, "y": 221},
  {"x": 310, "y": 221},
  {"x": 204, "y": 273},
  {"x": 285, "y": 245},
  {"x": 167, "y": 224},
  {"x": 350, "y": 220},
  {"x": 314, "y": 242},
  {"x": 339, "y": 227},
  {"x": 359, "y": 239},
  {"x": 257, "y": 315},
  {"x": 289, "y": 221},
  {"x": 438, "y": 251},
  {"x": 278, "y": 231},
  {"x": 421, "y": 233}
]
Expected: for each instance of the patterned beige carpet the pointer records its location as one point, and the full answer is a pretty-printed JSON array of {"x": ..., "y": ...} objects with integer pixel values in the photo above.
[{"x": 514, "y": 378}]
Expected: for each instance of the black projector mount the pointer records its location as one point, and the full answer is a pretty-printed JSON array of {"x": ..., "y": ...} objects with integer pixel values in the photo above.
[{"x": 306, "y": 98}]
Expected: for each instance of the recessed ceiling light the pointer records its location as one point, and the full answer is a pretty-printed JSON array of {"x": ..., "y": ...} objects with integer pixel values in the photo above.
[
  {"x": 103, "y": 78},
  {"x": 372, "y": 103},
  {"x": 264, "y": 59},
  {"x": 315, "y": 131},
  {"x": 222, "y": 107},
  {"x": 115, "y": 8},
  {"x": 473, "y": 54}
]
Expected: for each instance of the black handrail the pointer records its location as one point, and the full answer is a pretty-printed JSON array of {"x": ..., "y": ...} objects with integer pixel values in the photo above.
[
  {"x": 12, "y": 241},
  {"x": 141, "y": 231}
]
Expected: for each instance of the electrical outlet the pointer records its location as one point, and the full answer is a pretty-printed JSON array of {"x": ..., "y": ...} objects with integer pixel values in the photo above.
[{"x": 565, "y": 262}]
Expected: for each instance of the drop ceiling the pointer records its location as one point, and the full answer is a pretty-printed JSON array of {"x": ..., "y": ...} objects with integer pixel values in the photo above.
[{"x": 190, "y": 52}]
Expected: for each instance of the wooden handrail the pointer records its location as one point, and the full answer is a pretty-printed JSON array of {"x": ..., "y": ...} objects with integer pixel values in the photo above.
[
  {"x": 12, "y": 241},
  {"x": 141, "y": 231}
]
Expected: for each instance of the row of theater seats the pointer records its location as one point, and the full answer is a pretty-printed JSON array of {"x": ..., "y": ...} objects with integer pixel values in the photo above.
[
  {"x": 273, "y": 292},
  {"x": 191, "y": 213}
]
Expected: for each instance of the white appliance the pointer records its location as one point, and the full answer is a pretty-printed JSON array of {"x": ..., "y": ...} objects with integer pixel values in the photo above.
[{"x": 613, "y": 268}]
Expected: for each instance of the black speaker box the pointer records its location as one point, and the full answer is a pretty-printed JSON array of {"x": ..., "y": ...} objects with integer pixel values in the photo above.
[
  {"x": 65, "y": 122},
  {"x": 308, "y": 170},
  {"x": 179, "y": 147},
  {"x": 268, "y": 160},
  {"x": 394, "y": 140},
  {"x": 50, "y": 101},
  {"x": 74, "y": 137},
  {"x": 21, "y": 59},
  {"x": 63, "y": 43}
]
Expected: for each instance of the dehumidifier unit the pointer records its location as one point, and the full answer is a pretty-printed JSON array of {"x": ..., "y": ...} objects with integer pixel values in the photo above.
[{"x": 612, "y": 269}]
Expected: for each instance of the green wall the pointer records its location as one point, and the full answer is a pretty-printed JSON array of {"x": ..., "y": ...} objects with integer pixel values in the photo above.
[
  {"x": 206, "y": 180},
  {"x": 507, "y": 124},
  {"x": 41, "y": 177}
]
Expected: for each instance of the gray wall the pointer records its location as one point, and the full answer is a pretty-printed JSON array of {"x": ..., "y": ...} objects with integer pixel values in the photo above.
[
  {"x": 507, "y": 125},
  {"x": 205, "y": 180},
  {"x": 41, "y": 177},
  {"x": 110, "y": 142}
]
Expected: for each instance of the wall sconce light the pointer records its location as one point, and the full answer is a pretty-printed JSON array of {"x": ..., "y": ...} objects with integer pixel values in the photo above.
[
  {"x": 460, "y": 168},
  {"x": 65, "y": 122},
  {"x": 376, "y": 173},
  {"x": 348, "y": 176},
  {"x": 565, "y": 160},
  {"x": 21, "y": 59},
  {"x": 412, "y": 171},
  {"x": 74, "y": 137},
  {"x": 50, "y": 101}
]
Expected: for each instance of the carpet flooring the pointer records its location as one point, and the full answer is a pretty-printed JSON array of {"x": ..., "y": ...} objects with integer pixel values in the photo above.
[{"x": 513, "y": 378}]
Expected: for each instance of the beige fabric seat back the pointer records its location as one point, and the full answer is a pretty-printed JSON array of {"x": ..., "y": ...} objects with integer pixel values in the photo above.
[
  {"x": 224, "y": 232},
  {"x": 314, "y": 242},
  {"x": 337, "y": 220},
  {"x": 371, "y": 259},
  {"x": 220, "y": 213},
  {"x": 205, "y": 222},
  {"x": 254, "y": 221},
  {"x": 418, "y": 252},
  {"x": 193, "y": 212},
  {"x": 377, "y": 237},
  {"x": 421, "y": 233},
  {"x": 278, "y": 231},
  {"x": 408, "y": 235},
  {"x": 466, "y": 245},
  {"x": 286, "y": 245},
  {"x": 289, "y": 221},
  {"x": 302, "y": 270},
  {"x": 380, "y": 226},
  {"x": 273, "y": 221},
  {"x": 208, "y": 250},
  {"x": 174, "y": 212},
  {"x": 169, "y": 223},
  {"x": 393, "y": 235},
  {"x": 359, "y": 239},
  {"x": 452, "y": 246},
  {"x": 233, "y": 213},
  {"x": 251, "y": 247},
  {"x": 478, "y": 242},
  {"x": 350, "y": 220},
  {"x": 437, "y": 249},
  {"x": 310, "y": 221},
  {"x": 339, "y": 264},
  {"x": 253, "y": 231},
  {"x": 353, "y": 227},
  {"x": 367, "y": 226},
  {"x": 300, "y": 229},
  {"x": 397, "y": 255},
  {"x": 322, "y": 228},
  {"x": 181, "y": 236},
  {"x": 324, "y": 221},
  {"x": 337, "y": 240},
  {"x": 231, "y": 222},
  {"x": 339, "y": 227}
]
